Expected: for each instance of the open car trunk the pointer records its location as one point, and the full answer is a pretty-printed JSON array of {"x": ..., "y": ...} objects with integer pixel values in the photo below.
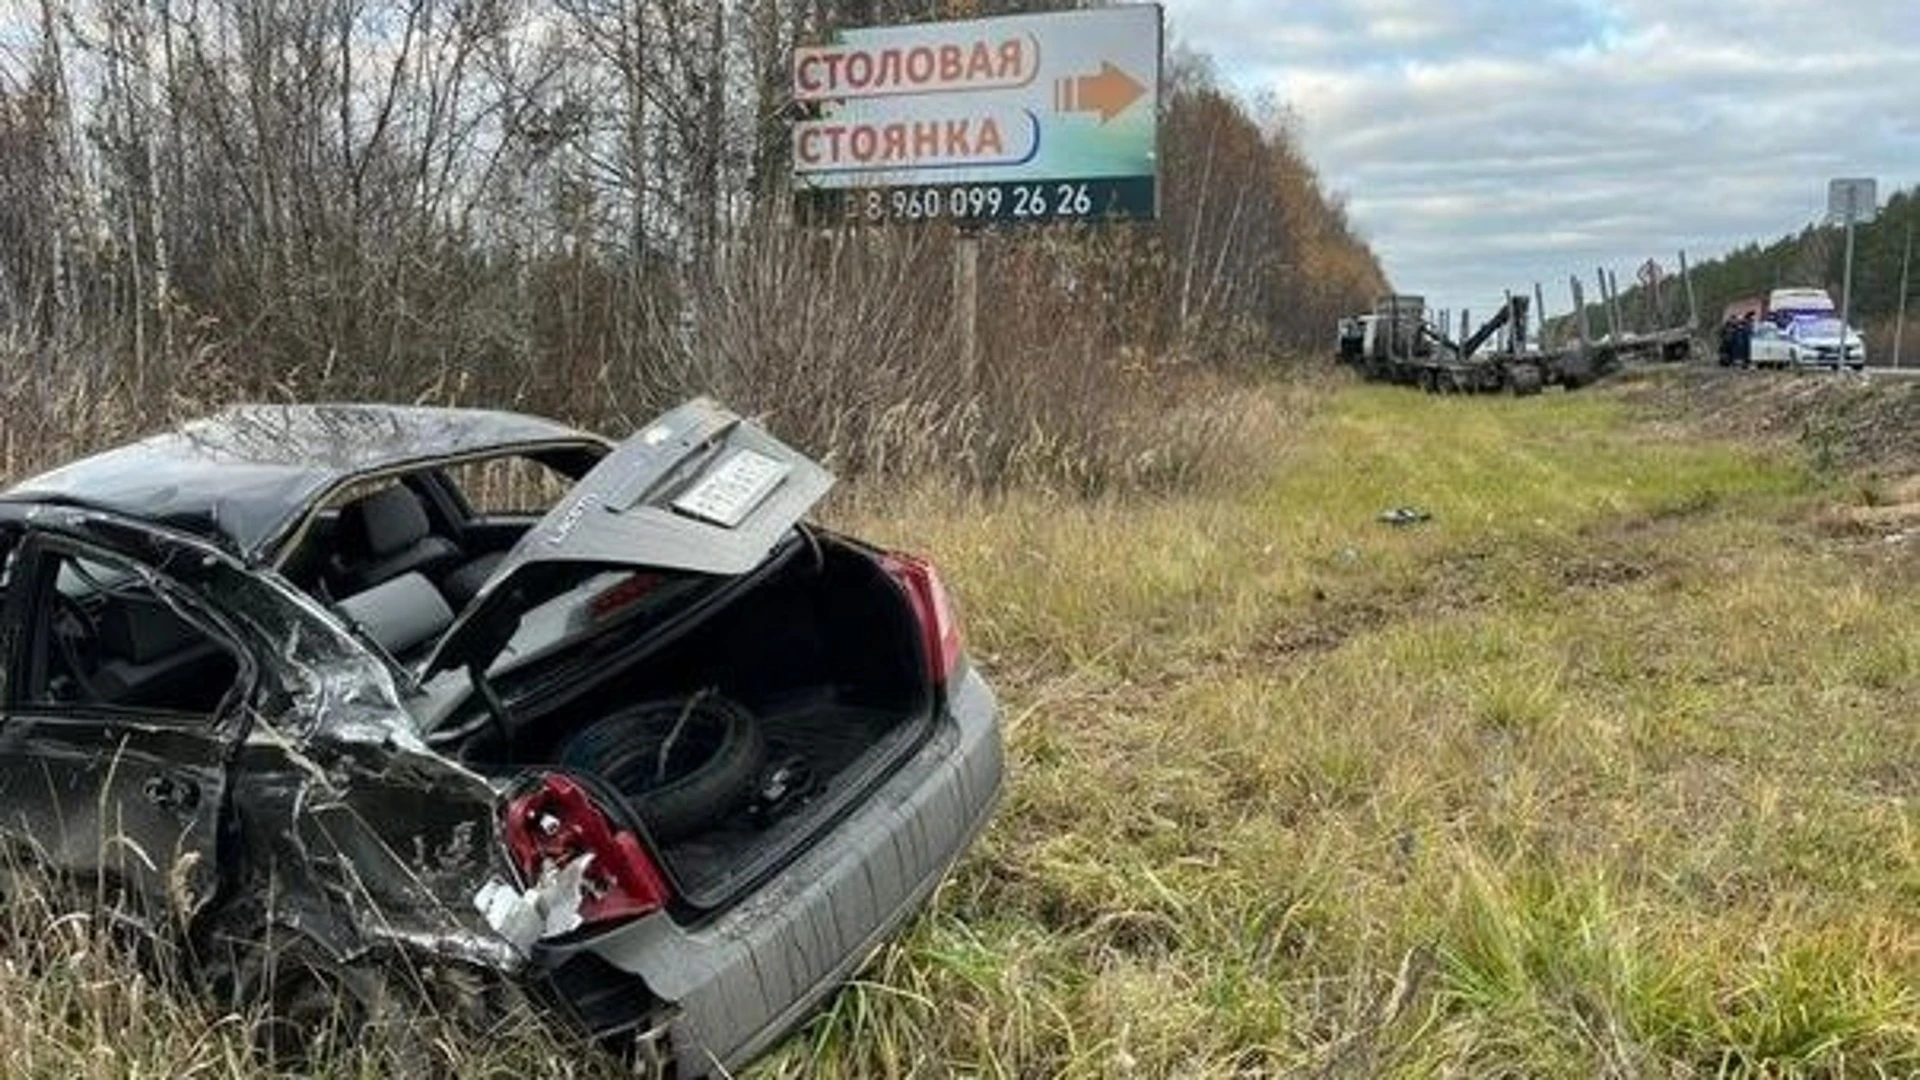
[
  {"x": 671, "y": 632},
  {"x": 787, "y": 694}
]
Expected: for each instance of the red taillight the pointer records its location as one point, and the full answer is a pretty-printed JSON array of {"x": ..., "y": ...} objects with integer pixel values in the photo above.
[
  {"x": 555, "y": 823},
  {"x": 623, "y": 594},
  {"x": 940, "y": 636}
]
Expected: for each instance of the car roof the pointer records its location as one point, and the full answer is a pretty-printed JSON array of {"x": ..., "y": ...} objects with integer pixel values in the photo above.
[{"x": 247, "y": 474}]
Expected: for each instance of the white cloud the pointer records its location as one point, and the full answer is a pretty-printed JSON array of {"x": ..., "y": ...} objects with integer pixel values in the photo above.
[{"x": 1485, "y": 144}]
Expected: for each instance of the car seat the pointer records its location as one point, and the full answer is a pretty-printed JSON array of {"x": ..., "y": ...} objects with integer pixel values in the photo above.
[{"x": 383, "y": 535}]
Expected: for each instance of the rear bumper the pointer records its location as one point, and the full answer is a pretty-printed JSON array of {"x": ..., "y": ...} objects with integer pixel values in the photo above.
[{"x": 728, "y": 988}]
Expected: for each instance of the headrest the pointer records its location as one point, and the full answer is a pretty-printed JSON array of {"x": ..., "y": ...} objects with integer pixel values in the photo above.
[{"x": 384, "y": 522}]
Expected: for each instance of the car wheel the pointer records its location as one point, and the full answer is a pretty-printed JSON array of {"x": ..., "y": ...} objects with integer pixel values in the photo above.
[{"x": 685, "y": 763}]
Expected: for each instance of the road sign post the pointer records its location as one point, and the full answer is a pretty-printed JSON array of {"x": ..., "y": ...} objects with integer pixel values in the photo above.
[
  {"x": 1900, "y": 319},
  {"x": 1850, "y": 198}
]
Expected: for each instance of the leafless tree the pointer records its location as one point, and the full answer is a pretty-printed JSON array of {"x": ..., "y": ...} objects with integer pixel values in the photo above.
[{"x": 582, "y": 206}]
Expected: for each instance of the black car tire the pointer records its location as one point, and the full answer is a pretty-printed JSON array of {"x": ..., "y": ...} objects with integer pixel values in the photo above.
[{"x": 713, "y": 750}]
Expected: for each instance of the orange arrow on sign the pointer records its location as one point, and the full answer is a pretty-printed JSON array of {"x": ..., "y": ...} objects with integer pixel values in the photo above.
[{"x": 1108, "y": 93}]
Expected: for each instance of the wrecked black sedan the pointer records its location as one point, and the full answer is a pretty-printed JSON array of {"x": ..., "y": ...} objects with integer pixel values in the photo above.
[{"x": 354, "y": 704}]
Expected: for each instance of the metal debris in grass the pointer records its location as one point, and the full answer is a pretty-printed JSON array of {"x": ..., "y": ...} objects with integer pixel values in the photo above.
[{"x": 1403, "y": 517}]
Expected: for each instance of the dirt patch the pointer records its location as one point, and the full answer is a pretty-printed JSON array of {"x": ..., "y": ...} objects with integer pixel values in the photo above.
[
  {"x": 1889, "y": 509},
  {"x": 1459, "y": 584},
  {"x": 1900, "y": 518},
  {"x": 1336, "y": 614},
  {"x": 1601, "y": 573},
  {"x": 1843, "y": 423}
]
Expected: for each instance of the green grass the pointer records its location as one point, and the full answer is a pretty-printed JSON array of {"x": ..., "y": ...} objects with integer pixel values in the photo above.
[{"x": 1609, "y": 770}]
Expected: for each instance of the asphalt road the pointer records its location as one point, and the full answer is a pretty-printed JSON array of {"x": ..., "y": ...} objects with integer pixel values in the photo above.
[{"x": 1907, "y": 372}]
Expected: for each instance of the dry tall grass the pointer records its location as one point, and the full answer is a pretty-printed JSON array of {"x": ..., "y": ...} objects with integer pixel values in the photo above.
[{"x": 872, "y": 392}]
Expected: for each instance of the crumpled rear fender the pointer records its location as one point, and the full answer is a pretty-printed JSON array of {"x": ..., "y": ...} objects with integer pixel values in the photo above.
[{"x": 365, "y": 846}]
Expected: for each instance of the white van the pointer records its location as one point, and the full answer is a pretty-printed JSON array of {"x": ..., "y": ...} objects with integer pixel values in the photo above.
[{"x": 1785, "y": 304}]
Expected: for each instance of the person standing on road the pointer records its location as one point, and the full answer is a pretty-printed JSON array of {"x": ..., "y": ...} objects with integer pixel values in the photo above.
[{"x": 1743, "y": 341}]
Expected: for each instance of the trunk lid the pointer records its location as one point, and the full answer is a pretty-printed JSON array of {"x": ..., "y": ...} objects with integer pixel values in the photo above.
[{"x": 700, "y": 490}]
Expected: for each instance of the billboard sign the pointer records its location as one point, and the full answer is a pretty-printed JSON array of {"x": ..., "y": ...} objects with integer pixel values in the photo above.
[{"x": 1035, "y": 118}]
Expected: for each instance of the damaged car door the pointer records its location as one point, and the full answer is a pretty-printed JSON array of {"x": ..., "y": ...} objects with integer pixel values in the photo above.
[{"x": 122, "y": 700}]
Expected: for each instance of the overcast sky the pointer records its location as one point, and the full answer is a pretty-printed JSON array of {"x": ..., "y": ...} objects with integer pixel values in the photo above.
[{"x": 1488, "y": 144}]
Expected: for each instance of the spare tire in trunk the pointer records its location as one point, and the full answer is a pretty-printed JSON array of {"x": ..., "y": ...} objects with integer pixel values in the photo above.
[{"x": 683, "y": 763}]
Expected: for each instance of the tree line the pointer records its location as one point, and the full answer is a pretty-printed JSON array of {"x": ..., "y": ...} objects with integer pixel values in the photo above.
[{"x": 582, "y": 207}]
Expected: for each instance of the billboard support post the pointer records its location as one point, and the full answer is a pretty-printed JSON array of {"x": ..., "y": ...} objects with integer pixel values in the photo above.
[{"x": 966, "y": 302}]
